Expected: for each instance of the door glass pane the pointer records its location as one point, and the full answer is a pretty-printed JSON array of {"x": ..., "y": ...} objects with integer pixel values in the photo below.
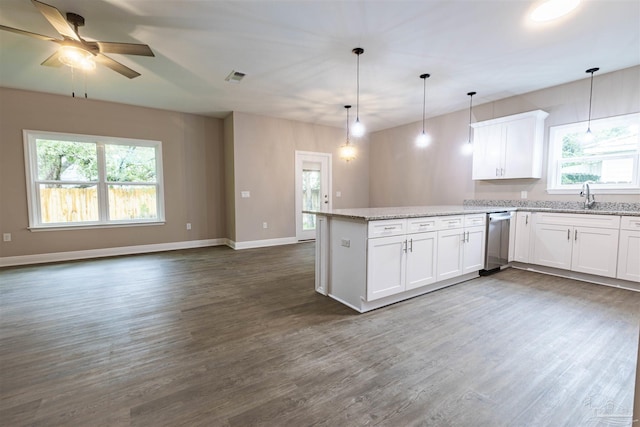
[{"x": 310, "y": 197}]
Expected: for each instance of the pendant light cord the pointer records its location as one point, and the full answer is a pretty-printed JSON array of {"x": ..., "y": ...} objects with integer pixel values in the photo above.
[
  {"x": 590, "y": 98},
  {"x": 347, "y": 107},
  {"x": 357, "y": 89},
  {"x": 591, "y": 70},
  {"x": 424, "y": 102},
  {"x": 470, "y": 107}
]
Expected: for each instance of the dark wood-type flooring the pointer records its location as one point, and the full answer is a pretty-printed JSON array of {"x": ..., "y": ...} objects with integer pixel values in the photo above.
[{"x": 216, "y": 337}]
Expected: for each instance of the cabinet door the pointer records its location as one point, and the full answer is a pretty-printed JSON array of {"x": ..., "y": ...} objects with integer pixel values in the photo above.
[
  {"x": 449, "y": 253},
  {"x": 595, "y": 251},
  {"x": 553, "y": 245},
  {"x": 518, "y": 149},
  {"x": 473, "y": 249},
  {"x": 523, "y": 237},
  {"x": 629, "y": 255},
  {"x": 421, "y": 259},
  {"x": 487, "y": 152},
  {"x": 385, "y": 266}
]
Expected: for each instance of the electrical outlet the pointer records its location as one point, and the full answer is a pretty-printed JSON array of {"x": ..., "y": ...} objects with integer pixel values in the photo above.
[
  {"x": 265, "y": 225},
  {"x": 338, "y": 193},
  {"x": 245, "y": 194},
  {"x": 346, "y": 243},
  {"x": 6, "y": 237},
  {"x": 188, "y": 226},
  {"x": 523, "y": 194}
]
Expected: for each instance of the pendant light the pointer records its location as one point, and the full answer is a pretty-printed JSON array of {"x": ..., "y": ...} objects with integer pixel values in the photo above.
[
  {"x": 358, "y": 127},
  {"x": 424, "y": 138},
  {"x": 467, "y": 148},
  {"x": 588, "y": 136},
  {"x": 347, "y": 150}
]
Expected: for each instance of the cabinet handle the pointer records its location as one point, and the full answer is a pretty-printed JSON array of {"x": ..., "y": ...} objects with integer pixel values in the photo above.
[
  {"x": 575, "y": 235},
  {"x": 568, "y": 234},
  {"x": 467, "y": 237},
  {"x": 526, "y": 222},
  {"x": 497, "y": 169},
  {"x": 411, "y": 248},
  {"x": 404, "y": 247},
  {"x": 501, "y": 172},
  {"x": 389, "y": 228}
]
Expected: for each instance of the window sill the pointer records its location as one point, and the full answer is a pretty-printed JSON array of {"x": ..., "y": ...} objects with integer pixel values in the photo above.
[
  {"x": 594, "y": 190},
  {"x": 58, "y": 227}
]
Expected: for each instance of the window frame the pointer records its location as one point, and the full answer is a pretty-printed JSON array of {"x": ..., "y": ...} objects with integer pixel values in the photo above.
[
  {"x": 554, "y": 185},
  {"x": 30, "y": 138}
]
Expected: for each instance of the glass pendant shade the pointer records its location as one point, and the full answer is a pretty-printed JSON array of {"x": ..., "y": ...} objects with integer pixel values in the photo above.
[
  {"x": 423, "y": 140},
  {"x": 76, "y": 57},
  {"x": 357, "y": 129},
  {"x": 347, "y": 150}
]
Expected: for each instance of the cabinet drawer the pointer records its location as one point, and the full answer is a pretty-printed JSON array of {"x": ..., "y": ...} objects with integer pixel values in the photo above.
[
  {"x": 418, "y": 225},
  {"x": 447, "y": 222},
  {"x": 475, "y": 219},
  {"x": 387, "y": 227},
  {"x": 630, "y": 223},
  {"x": 579, "y": 220}
]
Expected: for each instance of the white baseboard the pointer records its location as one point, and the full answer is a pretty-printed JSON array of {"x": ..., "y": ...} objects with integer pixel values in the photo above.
[
  {"x": 106, "y": 252},
  {"x": 262, "y": 243}
]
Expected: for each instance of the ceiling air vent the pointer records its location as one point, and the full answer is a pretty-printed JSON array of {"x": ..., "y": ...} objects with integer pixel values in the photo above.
[{"x": 235, "y": 76}]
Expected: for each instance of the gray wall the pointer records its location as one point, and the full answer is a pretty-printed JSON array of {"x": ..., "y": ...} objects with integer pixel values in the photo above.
[
  {"x": 402, "y": 174},
  {"x": 193, "y": 170},
  {"x": 263, "y": 157}
]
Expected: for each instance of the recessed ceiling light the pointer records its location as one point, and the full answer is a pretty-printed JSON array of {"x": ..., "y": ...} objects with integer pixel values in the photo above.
[
  {"x": 235, "y": 76},
  {"x": 553, "y": 9}
]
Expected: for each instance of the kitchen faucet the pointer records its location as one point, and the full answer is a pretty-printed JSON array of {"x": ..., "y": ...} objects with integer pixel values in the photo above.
[{"x": 589, "y": 199}]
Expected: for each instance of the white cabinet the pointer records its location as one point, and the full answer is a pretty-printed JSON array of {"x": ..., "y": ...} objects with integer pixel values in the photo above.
[
  {"x": 509, "y": 147},
  {"x": 629, "y": 249},
  {"x": 581, "y": 243},
  {"x": 522, "y": 242},
  {"x": 461, "y": 246},
  {"x": 403, "y": 261},
  {"x": 386, "y": 259}
]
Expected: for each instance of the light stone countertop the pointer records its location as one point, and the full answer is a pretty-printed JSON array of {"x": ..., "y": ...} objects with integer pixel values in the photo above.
[{"x": 374, "y": 214}]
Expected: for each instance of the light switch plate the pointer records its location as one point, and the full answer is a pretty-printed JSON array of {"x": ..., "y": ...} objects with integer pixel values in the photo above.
[{"x": 245, "y": 194}]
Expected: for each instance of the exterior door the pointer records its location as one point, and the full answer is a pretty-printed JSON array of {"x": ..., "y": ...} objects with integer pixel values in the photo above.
[{"x": 313, "y": 190}]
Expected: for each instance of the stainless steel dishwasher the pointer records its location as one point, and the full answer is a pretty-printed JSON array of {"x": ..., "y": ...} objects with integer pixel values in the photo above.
[{"x": 497, "y": 249}]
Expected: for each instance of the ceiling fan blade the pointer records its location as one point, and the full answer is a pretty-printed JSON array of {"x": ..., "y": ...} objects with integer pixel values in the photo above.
[
  {"x": 125, "y": 48},
  {"x": 116, "y": 66},
  {"x": 27, "y": 33},
  {"x": 56, "y": 19},
  {"x": 53, "y": 60}
]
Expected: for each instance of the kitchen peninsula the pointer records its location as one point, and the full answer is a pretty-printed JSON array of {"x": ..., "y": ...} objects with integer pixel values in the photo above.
[{"x": 371, "y": 257}]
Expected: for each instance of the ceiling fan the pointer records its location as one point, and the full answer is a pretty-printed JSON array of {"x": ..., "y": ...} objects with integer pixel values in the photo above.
[{"x": 75, "y": 51}]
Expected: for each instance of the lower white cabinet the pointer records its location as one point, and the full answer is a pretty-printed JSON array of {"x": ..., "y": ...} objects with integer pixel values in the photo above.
[
  {"x": 399, "y": 263},
  {"x": 461, "y": 250},
  {"x": 629, "y": 249},
  {"x": 522, "y": 241},
  {"x": 590, "y": 246}
]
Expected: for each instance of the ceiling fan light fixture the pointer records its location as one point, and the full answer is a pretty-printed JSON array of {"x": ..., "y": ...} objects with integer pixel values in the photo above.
[
  {"x": 553, "y": 9},
  {"x": 76, "y": 57}
]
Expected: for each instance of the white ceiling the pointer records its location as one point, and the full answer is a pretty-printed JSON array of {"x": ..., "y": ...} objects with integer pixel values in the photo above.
[{"x": 297, "y": 54}]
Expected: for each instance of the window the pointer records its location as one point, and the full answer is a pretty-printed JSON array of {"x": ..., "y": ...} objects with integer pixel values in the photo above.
[
  {"x": 609, "y": 162},
  {"x": 83, "y": 180}
]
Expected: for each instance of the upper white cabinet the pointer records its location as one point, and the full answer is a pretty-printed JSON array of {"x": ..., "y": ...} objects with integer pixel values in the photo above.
[
  {"x": 509, "y": 147},
  {"x": 629, "y": 249}
]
